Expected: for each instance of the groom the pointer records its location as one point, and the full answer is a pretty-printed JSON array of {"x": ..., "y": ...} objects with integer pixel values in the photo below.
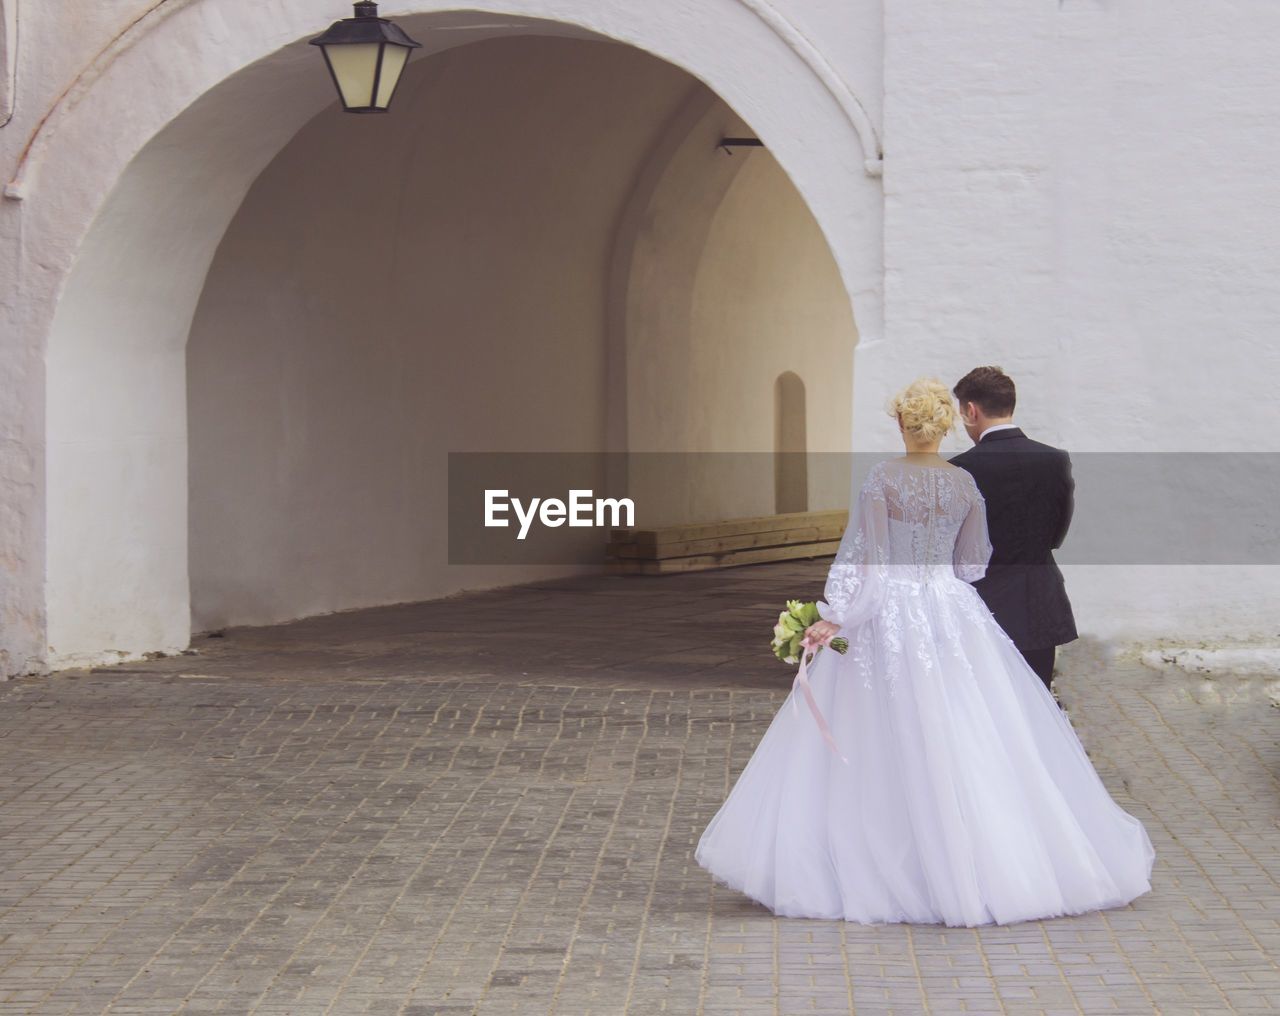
[{"x": 1030, "y": 495}]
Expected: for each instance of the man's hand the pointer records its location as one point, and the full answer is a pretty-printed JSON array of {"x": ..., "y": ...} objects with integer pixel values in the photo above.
[{"x": 821, "y": 632}]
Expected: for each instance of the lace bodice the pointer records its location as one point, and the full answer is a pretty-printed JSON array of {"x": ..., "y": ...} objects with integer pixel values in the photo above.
[
  {"x": 926, "y": 506},
  {"x": 910, "y": 523}
]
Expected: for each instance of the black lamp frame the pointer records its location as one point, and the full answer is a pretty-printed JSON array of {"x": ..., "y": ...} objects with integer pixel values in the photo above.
[{"x": 366, "y": 27}]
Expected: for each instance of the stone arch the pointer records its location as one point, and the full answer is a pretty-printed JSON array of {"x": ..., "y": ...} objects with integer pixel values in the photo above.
[{"x": 115, "y": 248}]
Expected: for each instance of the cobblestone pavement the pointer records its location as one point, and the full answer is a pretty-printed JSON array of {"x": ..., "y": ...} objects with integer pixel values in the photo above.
[{"x": 361, "y": 813}]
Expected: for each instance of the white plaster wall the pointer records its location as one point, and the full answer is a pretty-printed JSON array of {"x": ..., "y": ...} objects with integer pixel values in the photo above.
[
  {"x": 848, "y": 36},
  {"x": 732, "y": 284},
  {"x": 767, "y": 299},
  {"x": 393, "y": 291},
  {"x": 1082, "y": 192},
  {"x": 8, "y": 61}
]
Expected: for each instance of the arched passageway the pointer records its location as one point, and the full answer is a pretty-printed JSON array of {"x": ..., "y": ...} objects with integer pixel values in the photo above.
[
  {"x": 443, "y": 285},
  {"x": 307, "y": 453}
]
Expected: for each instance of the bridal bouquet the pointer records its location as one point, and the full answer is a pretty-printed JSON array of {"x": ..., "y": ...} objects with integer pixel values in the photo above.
[{"x": 789, "y": 631}]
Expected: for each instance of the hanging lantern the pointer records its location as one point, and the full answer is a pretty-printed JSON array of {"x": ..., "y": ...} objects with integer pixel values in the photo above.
[{"x": 366, "y": 55}]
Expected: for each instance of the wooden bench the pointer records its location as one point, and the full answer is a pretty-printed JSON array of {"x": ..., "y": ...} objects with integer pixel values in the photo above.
[{"x": 706, "y": 545}]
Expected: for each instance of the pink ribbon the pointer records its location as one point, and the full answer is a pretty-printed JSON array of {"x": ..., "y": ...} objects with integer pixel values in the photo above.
[{"x": 801, "y": 684}]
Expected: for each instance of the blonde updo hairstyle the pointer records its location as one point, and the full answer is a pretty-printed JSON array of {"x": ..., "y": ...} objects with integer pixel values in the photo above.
[{"x": 925, "y": 409}]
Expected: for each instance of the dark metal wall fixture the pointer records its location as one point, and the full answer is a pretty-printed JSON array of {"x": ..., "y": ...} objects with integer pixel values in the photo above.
[{"x": 729, "y": 144}]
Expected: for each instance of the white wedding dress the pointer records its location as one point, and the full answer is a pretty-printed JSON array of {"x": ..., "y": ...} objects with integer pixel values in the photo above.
[{"x": 967, "y": 798}]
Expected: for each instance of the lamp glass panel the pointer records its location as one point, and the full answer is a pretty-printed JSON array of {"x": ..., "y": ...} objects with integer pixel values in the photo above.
[
  {"x": 353, "y": 66},
  {"x": 392, "y": 64}
]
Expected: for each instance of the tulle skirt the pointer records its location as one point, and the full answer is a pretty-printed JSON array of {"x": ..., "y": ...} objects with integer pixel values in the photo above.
[{"x": 967, "y": 800}]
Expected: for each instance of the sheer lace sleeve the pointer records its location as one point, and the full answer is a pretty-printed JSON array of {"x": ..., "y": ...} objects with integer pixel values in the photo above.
[
  {"x": 973, "y": 546},
  {"x": 856, "y": 582}
]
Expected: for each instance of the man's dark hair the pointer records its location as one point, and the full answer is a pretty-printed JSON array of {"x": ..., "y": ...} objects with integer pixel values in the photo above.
[{"x": 989, "y": 388}]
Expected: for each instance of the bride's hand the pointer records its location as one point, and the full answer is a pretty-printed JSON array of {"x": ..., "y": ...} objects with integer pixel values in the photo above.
[{"x": 821, "y": 632}]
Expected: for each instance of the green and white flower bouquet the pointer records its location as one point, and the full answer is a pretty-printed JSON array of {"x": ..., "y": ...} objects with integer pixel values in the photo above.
[{"x": 789, "y": 631}]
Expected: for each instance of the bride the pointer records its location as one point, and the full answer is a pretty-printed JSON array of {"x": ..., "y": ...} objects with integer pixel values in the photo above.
[{"x": 967, "y": 798}]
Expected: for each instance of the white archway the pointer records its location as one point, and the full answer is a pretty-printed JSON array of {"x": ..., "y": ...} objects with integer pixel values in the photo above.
[{"x": 118, "y": 247}]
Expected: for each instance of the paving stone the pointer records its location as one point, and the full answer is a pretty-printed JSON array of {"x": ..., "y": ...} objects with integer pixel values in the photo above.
[{"x": 361, "y": 813}]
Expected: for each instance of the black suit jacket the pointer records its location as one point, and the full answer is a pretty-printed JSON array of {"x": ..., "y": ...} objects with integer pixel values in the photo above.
[{"x": 1030, "y": 496}]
